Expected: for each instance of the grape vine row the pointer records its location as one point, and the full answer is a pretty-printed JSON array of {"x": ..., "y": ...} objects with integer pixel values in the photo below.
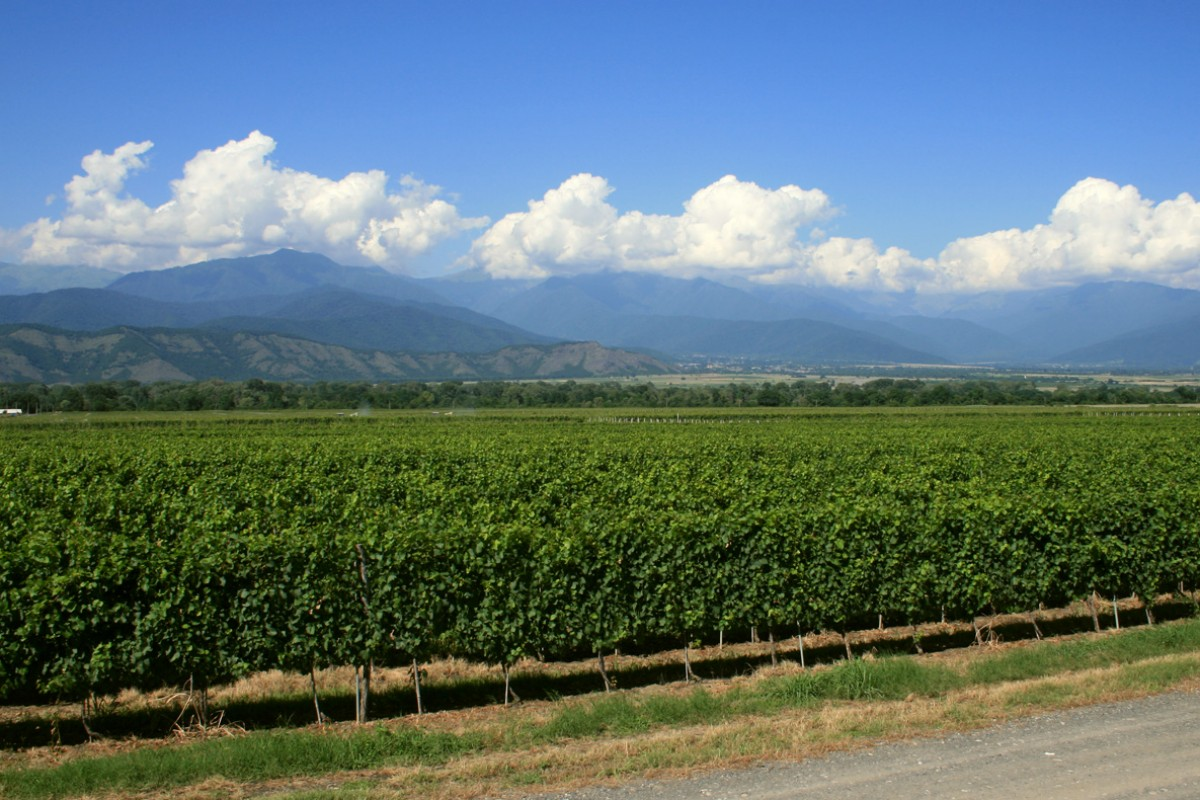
[{"x": 142, "y": 554}]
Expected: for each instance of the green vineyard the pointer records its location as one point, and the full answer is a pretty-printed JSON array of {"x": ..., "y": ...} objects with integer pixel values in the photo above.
[{"x": 141, "y": 552}]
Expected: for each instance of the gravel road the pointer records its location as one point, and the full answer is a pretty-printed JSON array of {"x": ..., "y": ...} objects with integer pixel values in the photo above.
[{"x": 1144, "y": 748}]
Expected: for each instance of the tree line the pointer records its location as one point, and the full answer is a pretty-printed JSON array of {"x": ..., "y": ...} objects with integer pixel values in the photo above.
[{"x": 256, "y": 394}]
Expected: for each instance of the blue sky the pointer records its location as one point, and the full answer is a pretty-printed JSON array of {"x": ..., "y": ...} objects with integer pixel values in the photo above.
[{"x": 901, "y": 127}]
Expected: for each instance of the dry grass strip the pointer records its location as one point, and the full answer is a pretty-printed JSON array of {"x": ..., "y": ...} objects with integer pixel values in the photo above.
[{"x": 790, "y": 735}]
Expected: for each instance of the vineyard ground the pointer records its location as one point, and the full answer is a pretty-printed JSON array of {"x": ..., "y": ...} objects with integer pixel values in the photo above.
[
  {"x": 561, "y": 746},
  {"x": 43, "y": 735},
  {"x": 284, "y": 700}
]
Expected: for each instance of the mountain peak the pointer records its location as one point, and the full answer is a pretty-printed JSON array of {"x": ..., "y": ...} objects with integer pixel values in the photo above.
[{"x": 276, "y": 274}]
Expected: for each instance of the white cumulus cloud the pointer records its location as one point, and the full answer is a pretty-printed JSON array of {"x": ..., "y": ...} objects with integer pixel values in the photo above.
[
  {"x": 730, "y": 225},
  {"x": 854, "y": 264},
  {"x": 1097, "y": 231},
  {"x": 231, "y": 201}
]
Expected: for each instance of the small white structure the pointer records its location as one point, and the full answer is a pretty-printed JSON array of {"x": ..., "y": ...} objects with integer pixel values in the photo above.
[{"x": 10, "y": 412}]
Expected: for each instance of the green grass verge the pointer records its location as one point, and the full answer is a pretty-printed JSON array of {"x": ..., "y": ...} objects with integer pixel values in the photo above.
[
  {"x": 266, "y": 756},
  {"x": 256, "y": 757},
  {"x": 628, "y": 713},
  {"x": 890, "y": 678}
]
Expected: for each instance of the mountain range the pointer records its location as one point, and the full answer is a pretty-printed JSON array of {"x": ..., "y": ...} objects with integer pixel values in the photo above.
[
  {"x": 1110, "y": 325},
  {"x": 301, "y": 316}
]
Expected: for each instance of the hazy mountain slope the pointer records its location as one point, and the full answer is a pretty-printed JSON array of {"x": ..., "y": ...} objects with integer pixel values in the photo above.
[
  {"x": 591, "y": 306},
  {"x": 1023, "y": 327},
  {"x": 953, "y": 339},
  {"x": 1171, "y": 346},
  {"x": 31, "y": 278},
  {"x": 334, "y": 316},
  {"x": 806, "y": 341},
  {"x": 823, "y": 303},
  {"x": 698, "y": 317},
  {"x": 633, "y": 293},
  {"x": 1060, "y": 320},
  {"x": 41, "y": 354},
  {"x": 350, "y": 319},
  {"x": 476, "y": 290},
  {"x": 283, "y": 272},
  {"x": 334, "y": 303},
  {"x": 566, "y": 312},
  {"x": 93, "y": 309}
]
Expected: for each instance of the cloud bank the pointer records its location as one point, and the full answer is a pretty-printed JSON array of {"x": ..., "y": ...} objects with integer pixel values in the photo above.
[
  {"x": 730, "y": 225},
  {"x": 1097, "y": 231},
  {"x": 233, "y": 201}
]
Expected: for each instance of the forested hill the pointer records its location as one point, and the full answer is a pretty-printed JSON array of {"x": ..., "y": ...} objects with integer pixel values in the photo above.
[{"x": 41, "y": 354}]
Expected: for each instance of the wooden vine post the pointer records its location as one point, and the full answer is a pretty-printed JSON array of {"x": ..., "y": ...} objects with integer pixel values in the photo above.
[
  {"x": 1091, "y": 603},
  {"x": 510, "y": 696},
  {"x": 416, "y": 670},
  {"x": 603, "y": 671},
  {"x": 689, "y": 675},
  {"x": 312, "y": 682},
  {"x": 362, "y": 674}
]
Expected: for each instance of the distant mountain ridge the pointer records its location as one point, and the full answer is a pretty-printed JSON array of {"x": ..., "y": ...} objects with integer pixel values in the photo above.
[
  {"x": 93, "y": 309},
  {"x": 1056, "y": 321},
  {"x": 281, "y": 273},
  {"x": 29, "y": 279},
  {"x": 1024, "y": 328},
  {"x": 695, "y": 317},
  {"x": 1171, "y": 346},
  {"x": 40, "y": 354},
  {"x": 351, "y": 319},
  {"x": 712, "y": 319},
  {"x": 296, "y": 295},
  {"x": 793, "y": 340}
]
